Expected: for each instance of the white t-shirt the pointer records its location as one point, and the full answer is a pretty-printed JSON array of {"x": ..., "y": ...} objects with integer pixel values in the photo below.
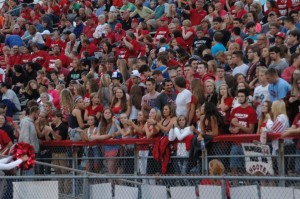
[
  {"x": 280, "y": 124},
  {"x": 182, "y": 99},
  {"x": 240, "y": 69},
  {"x": 261, "y": 94}
]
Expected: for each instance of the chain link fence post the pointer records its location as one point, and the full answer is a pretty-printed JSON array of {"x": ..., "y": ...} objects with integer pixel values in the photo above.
[
  {"x": 85, "y": 187},
  {"x": 223, "y": 181},
  {"x": 204, "y": 162},
  {"x": 281, "y": 169}
]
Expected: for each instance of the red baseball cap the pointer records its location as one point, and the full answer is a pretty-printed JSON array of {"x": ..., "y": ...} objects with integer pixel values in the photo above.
[
  {"x": 145, "y": 32},
  {"x": 134, "y": 20},
  {"x": 164, "y": 19},
  {"x": 280, "y": 34},
  {"x": 118, "y": 26}
]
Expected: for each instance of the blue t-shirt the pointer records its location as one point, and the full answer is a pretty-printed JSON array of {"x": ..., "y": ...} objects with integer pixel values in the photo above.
[
  {"x": 13, "y": 40},
  {"x": 279, "y": 90},
  {"x": 218, "y": 47}
]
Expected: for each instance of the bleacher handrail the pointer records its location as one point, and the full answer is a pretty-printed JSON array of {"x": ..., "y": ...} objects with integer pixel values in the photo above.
[{"x": 144, "y": 141}]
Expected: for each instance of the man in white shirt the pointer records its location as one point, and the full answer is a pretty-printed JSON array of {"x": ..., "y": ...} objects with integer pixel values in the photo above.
[
  {"x": 241, "y": 67},
  {"x": 183, "y": 99},
  {"x": 100, "y": 29},
  {"x": 261, "y": 92}
]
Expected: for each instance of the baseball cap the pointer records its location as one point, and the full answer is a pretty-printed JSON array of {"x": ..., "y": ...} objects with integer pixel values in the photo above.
[
  {"x": 135, "y": 73},
  {"x": 116, "y": 75},
  {"x": 134, "y": 20},
  {"x": 118, "y": 26},
  {"x": 164, "y": 19},
  {"x": 280, "y": 34},
  {"x": 46, "y": 32},
  {"x": 113, "y": 9},
  {"x": 145, "y": 32}
]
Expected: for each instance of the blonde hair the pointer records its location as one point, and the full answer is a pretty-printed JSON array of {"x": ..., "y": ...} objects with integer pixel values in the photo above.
[
  {"x": 278, "y": 108},
  {"x": 187, "y": 23},
  {"x": 66, "y": 100},
  {"x": 216, "y": 167}
]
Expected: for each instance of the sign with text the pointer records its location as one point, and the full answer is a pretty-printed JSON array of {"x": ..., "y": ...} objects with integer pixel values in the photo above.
[{"x": 258, "y": 163}]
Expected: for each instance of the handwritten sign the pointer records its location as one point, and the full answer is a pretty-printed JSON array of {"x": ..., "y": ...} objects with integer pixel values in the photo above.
[{"x": 260, "y": 163}]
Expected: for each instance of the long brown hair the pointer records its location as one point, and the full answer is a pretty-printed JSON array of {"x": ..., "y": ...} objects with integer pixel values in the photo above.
[
  {"x": 197, "y": 90},
  {"x": 263, "y": 115},
  {"x": 123, "y": 100},
  {"x": 105, "y": 125},
  {"x": 136, "y": 95}
]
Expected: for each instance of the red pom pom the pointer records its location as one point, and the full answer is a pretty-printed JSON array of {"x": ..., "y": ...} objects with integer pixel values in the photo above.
[{"x": 22, "y": 149}]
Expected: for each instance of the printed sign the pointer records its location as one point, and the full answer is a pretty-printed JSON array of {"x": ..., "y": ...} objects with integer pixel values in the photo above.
[{"x": 259, "y": 163}]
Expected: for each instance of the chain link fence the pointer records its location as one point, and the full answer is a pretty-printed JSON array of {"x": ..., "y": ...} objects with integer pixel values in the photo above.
[
  {"x": 113, "y": 164},
  {"x": 243, "y": 156}
]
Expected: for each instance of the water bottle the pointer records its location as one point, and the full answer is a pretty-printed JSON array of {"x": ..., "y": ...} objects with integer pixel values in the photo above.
[
  {"x": 263, "y": 136},
  {"x": 202, "y": 144}
]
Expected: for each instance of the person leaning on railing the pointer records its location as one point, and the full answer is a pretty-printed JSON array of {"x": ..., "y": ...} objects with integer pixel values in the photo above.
[
  {"x": 242, "y": 121},
  {"x": 59, "y": 131}
]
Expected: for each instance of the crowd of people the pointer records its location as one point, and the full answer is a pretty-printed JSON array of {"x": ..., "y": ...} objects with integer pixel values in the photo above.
[{"x": 182, "y": 71}]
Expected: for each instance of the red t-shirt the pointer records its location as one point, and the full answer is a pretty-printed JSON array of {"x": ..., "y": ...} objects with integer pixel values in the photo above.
[
  {"x": 4, "y": 140},
  {"x": 88, "y": 31},
  {"x": 91, "y": 49},
  {"x": 226, "y": 115},
  {"x": 111, "y": 37},
  {"x": 119, "y": 35},
  {"x": 190, "y": 40},
  {"x": 245, "y": 116},
  {"x": 135, "y": 51},
  {"x": 39, "y": 57},
  {"x": 25, "y": 58},
  {"x": 241, "y": 14},
  {"x": 161, "y": 32},
  {"x": 14, "y": 59},
  {"x": 94, "y": 111},
  {"x": 59, "y": 42},
  {"x": 197, "y": 16},
  {"x": 283, "y": 6}
]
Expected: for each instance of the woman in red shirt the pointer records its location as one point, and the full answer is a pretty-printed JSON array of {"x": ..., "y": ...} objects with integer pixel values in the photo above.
[
  {"x": 120, "y": 104},
  {"x": 266, "y": 108},
  {"x": 224, "y": 106},
  {"x": 95, "y": 108},
  {"x": 188, "y": 32}
]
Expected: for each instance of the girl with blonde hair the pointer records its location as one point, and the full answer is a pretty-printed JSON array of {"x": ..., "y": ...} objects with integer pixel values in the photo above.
[
  {"x": 104, "y": 91},
  {"x": 278, "y": 123}
]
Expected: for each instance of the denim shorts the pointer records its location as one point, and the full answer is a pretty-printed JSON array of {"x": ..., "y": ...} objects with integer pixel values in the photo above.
[
  {"x": 237, "y": 162},
  {"x": 94, "y": 151}
]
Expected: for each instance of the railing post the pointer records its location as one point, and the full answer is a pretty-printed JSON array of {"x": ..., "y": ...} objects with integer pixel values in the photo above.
[
  {"x": 204, "y": 162},
  {"x": 74, "y": 166},
  {"x": 223, "y": 181},
  {"x": 85, "y": 188},
  {"x": 136, "y": 161},
  {"x": 281, "y": 167}
]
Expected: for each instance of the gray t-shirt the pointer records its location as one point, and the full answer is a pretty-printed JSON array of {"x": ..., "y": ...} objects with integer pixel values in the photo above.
[{"x": 280, "y": 66}]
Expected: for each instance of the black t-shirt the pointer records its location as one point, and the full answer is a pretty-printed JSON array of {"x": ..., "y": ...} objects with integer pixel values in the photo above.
[
  {"x": 200, "y": 41},
  {"x": 61, "y": 130}
]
